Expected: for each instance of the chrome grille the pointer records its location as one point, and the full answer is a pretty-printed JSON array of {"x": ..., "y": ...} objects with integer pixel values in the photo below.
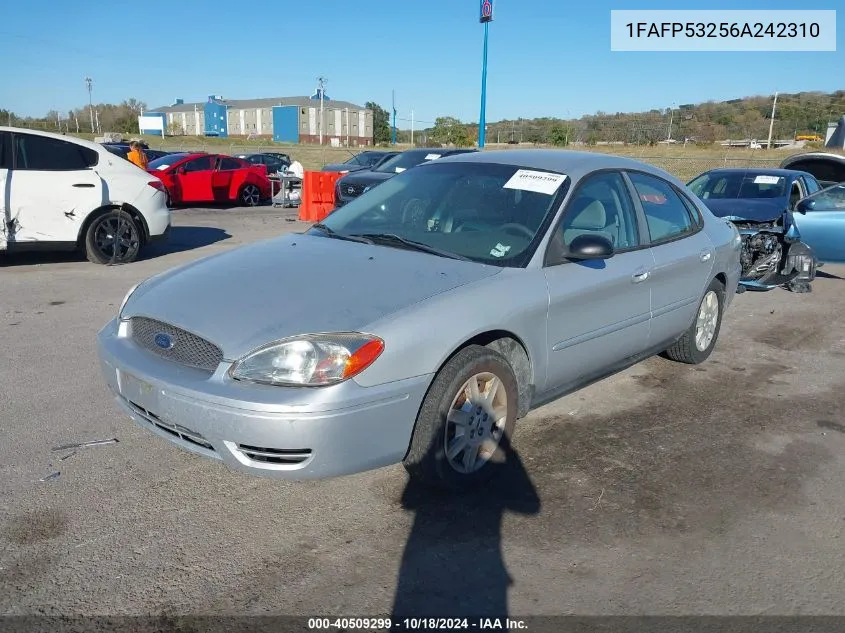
[{"x": 187, "y": 349}]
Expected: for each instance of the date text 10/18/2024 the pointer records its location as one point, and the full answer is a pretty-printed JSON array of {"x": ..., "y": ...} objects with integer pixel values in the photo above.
[{"x": 416, "y": 624}]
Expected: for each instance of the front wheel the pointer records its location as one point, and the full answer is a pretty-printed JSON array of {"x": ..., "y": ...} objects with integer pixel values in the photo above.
[
  {"x": 697, "y": 343},
  {"x": 466, "y": 417},
  {"x": 250, "y": 195},
  {"x": 113, "y": 238}
]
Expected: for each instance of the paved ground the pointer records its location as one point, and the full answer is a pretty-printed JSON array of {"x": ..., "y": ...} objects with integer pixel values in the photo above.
[{"x": 668, "y": 489}]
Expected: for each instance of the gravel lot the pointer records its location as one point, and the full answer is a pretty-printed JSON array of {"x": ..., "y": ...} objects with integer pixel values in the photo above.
[{"x": 667, "y": 489}]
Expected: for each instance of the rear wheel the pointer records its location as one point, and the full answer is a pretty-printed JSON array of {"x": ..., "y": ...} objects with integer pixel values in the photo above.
[
  {"x": 113, "y": 238},
  {"x": 250, "y": 195},
  {"x": 697, "y": 343},
  {"x": 466, "y": 417}
]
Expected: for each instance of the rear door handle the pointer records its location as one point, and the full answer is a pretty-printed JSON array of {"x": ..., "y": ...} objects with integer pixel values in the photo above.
[
  {"x": 83, "y": 184},
  {"x": 639, "y": 277},
  {"x": 705, "y": 255}
]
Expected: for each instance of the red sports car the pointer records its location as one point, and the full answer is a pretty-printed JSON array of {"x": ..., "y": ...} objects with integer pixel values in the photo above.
[{"x": 201, "y": 177}]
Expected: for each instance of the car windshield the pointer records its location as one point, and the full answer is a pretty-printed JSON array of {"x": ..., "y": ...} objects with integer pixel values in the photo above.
[
  {"x": 406, "y": 160},
  {"x": 739, "y": 184},
  {"x": 165, "y": 161},
  {"x": 484, "y": 212}
]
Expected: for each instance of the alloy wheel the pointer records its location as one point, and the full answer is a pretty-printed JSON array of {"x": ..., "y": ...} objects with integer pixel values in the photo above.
[{"x": 708, "y": 319}]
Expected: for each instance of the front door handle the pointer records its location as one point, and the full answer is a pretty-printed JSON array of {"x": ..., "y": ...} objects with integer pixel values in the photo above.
[
  {"x": 83, "y": 184},
  {"x": 639, "y": 277},
  {"x": 705, "y": 255}
]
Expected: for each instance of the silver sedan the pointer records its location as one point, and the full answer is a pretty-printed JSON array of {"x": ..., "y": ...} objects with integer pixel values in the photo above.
[{"x": 417, "y": 323}]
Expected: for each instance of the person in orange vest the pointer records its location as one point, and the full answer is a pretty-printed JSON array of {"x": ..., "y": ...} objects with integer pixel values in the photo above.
[{"x": 136, "y": 155}]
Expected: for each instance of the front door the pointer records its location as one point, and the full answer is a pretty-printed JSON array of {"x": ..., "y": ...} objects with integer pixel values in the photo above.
[
  {"x": 683, "y": 255},
  {"x": 194, "y": 179},
  {"x": 599, "y": 310},
  {"x": 52, "y": 188},
  {"x": 822, "y": 228}
]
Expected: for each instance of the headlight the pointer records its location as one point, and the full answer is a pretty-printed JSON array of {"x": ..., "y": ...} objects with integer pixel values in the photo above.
[
  {"x": 126, "y": 298},
  {"x": 310, "y": 360}
]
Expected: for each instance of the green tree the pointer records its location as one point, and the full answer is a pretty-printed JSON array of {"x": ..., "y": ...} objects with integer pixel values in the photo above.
[
  {"x": 448, "y": 130},
  {"x": 561, "y": 134},
  {"x": 381, "y": 123}
]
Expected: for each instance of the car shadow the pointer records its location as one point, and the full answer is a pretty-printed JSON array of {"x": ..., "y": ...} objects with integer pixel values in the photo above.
[
  {"x": 182, "y": 238},
  {"x": 827, "y": 275},
  {"x": 452, "y": 564}
]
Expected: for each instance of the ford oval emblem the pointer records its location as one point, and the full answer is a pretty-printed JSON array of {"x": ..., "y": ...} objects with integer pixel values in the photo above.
[{"x": 164, "y": 341}]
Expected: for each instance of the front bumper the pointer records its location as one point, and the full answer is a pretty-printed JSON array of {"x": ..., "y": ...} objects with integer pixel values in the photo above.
[{"x": 285, "y": 433}]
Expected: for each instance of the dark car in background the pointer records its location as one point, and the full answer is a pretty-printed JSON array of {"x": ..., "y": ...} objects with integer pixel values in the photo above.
[
  {"x": 762, "y": 203},
  {"x": 354, "y": 184},
  {"x": 273, "y": 161},
  {"x": 365, "y": 160},
  {"x": 122, "y": 150},
  {"x": 828, "y": 169}
]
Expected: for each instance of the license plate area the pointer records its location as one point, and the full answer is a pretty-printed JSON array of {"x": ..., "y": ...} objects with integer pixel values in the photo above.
[{"x": 138, "y": 391}]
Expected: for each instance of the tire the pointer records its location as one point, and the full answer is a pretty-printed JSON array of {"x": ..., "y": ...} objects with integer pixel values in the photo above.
[
  {"x": 113, "y": 238},
  {"x": 688, "y": 349},
  {"x": 249, "y": 195},
  {"x": 427, "y": 460}
]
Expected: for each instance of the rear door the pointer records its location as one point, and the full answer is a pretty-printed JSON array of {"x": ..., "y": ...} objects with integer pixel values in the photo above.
[
  {"x": 52, "y": 187},
  {"x": 683, "y": 255},
  {"x": 194, "y": 178},
  {"x": 823, "y": 227},
  {"x": 223, "y": 178}
]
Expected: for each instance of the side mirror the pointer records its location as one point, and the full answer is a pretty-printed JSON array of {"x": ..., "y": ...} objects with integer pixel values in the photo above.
[
  {"x": 805, "y": 205},
  {"x": 590, "y": 246}
]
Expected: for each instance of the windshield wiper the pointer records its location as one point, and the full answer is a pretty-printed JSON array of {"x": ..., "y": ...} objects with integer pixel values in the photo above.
[
  {"x": 391, "y": 239},
  {"x": 330, "y": 232}
]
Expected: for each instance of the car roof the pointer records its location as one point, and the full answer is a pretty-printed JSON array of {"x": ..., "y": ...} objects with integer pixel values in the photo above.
[
  {"x": 838, "y": 158},
  {"x": 575, "y": 164},
  {"x": 61, "y": 137}
]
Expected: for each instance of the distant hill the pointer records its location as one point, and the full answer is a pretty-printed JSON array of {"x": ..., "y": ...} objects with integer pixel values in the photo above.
[{"x": 746, "y": 118}]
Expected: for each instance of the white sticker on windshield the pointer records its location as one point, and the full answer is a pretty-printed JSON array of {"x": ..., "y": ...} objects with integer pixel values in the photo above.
[
  {"x": 399, "y": 170},
  {"x": 163, "y": 167},
  {"x": 432, "y": 156},
  {"x": 539, "y": 181},
  {"x": 500, "y": 250},
  {"x": 767, "y": 180}
]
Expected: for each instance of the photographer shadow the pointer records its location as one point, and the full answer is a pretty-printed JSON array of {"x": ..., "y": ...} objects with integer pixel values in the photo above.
[{"x": 452, "y": 565}]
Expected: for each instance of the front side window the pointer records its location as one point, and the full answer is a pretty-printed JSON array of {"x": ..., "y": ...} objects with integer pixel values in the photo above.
[
  {"x": 482, "y": 212},
  {"x": 228, "y": 164},
  {"x": 667, "y": 217},
  {"x": 406, "y": 160},
  {"x": 602, "y": 206},
  {"x": 203, "y": 163},
  {"x": 829, "y": 199},
  {"x": 42, "y": 153},
  {"x": 811, "y": 184}
]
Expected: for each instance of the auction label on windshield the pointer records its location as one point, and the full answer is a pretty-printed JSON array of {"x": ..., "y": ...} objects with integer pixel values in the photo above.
[
  {"x": 539, "y": 181},
  {"x": 723, "y": 30}
]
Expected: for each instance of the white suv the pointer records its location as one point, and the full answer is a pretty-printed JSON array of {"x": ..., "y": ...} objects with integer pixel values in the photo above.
[{"x": 62, "y": 193}]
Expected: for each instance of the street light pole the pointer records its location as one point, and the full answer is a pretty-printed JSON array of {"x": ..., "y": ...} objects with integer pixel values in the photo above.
[
  {"x": 90, "y": 81},
  {"x": 485, "y": 18},
  {"x": 772, "y": 122}
]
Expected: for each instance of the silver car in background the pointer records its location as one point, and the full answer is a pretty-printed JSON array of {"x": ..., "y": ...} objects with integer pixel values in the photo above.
[{"x": 421, "y": 320}]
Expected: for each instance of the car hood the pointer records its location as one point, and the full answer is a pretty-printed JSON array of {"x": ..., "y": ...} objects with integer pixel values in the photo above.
[
  {"x": 365, "y": 177},
  {"x": 751, "y": 209},
  {"x": 295, "y": 284}
]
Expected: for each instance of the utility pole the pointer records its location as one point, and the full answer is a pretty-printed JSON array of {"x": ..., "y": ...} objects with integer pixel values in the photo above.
[
  {"x": 90, "y": 81},
  {"x": 321, "y": 81},
  {"x": 76, "y": 120},
  {"x": 772, "y": 122},
  {"x": 97, "y": 114},
  {"x": 671, "y": 118},
  {"x": 394, "y": 117},
  {"x": 412, "y": 128}
]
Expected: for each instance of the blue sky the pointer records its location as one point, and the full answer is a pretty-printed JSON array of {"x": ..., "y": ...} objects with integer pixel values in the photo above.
[{"x": 546, "y": 58}]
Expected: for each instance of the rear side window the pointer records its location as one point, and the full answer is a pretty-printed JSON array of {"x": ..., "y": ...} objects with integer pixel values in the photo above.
[
  {"x": 5, "y": 150},
  {"x": 41, "y": 153},
  {"x": 666, "y": 215}
]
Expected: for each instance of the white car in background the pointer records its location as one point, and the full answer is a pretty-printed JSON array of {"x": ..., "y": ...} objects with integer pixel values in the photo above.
[{"x": 64, "y": 193}]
